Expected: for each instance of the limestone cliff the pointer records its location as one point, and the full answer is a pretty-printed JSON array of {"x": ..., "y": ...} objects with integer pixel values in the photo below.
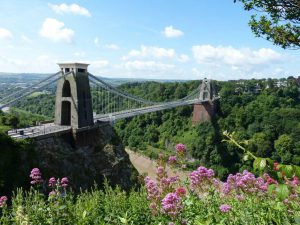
[
  {"x": 101, "y": 156},
  {"x": 85, "y": 158}
]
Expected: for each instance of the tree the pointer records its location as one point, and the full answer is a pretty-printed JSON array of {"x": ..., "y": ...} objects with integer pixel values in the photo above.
[
  {"x": 278, "y": 23},
  {"x": 284, "y": 146}
]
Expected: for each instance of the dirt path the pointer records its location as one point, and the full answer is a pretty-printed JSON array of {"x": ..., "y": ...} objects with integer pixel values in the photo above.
[{"x": 146, "y": 165}]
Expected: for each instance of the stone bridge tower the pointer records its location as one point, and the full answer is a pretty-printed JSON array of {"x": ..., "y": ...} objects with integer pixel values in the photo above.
[
  {"x": 204, "y": 111},
  {"x": 73, "y": 106}
]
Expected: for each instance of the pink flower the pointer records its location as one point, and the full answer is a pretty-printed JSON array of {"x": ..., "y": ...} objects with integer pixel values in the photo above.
[
  {"x": 152, "y": 189},
  {"x": 171, "y": 204},
  {"x": 36, "y": 176},
  {"x": 3, "y": 200},
  {"x": 201, "y": 175},
  {"x": 295, "y": 181},
  {"x": 160, "y": 170},
  {"x": 245, "y": 182},
  {"x": 180, "y": 149},
  {"x": 52, "y": 193},
  {"x": 172, "y": 159},
  {"x": 64, "y": 182},
  {"x": 52, "y": 182},
  {"x": 225, "y": 208},
  {"x": 180, "y": 191}
]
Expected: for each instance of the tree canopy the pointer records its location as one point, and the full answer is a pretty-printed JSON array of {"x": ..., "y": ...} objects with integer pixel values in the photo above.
[{"x": 277, "y": 21}]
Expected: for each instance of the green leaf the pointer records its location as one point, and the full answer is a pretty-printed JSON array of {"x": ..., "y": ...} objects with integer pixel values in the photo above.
[
  {"x": 84, "y": 214},
  {"x": 297, "y": 219},
  {"x": 297, "y": 171},
  {"x": 271, "y": 188},
  {"x": 262, "y": 164},
  {"x": 283, "y": 191},
  {"x": 256, "y": 163},
  {"x": 287, "y": 170},
  {"x": 246, "y": 157}
]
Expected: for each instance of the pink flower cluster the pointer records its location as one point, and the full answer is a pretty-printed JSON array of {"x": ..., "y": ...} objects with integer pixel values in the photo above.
[
  {"x": 225, "y": 208},
  {"x": 53, "y": 182},
  {"x": 64, "y": 182},
  {"x": 201, "y": 175},
  {"x": 245, "y": 182},
  {"x": 180, "y": 149},
  {"x": 3, "y": 200},
  {"x": 172, "y": 160},
  {"x": 36, "y": 176},
  {"x": 152, "y": 189},
  {"x": 295, "y": 181},
  {"x": 171, "y": 204}
]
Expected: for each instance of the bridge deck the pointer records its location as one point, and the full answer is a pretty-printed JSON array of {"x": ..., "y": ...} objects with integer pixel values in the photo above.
[
  {"x": 36, "y": 131},
  {"x": 50, "y": 128},
  {"x": 144, "y": 110}
]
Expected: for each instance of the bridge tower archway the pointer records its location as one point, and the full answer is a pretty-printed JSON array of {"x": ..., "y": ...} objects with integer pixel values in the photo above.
[{"x": 73, "y": 105}]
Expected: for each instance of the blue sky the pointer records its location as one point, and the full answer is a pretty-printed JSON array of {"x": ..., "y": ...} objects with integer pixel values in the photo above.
[{"x": 164, "y": 39}]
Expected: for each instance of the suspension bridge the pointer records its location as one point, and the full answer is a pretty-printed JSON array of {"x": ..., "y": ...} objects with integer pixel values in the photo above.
[{"x": 77, "y": 108}]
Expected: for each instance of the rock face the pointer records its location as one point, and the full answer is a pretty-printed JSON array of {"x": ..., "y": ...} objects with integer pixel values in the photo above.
[{"x": 103, "y": 157}]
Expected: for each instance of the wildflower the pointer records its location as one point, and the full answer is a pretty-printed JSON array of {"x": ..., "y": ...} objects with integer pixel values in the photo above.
[
  {"x": 172, "y": 159},
  {"x": 226, "y": 188},
  {"x": 184, "y": 222},
  {"x": 52, "y": 194},
  {"x": 64, "y": 182},
  {"x": 152, "y": 189},
  {"x": 225, "y": 208},
  {"x": 295, "y": 181},
  {"x": 180, "y": 149},
  {"x": 52, "y": 182},
  {"x": 180, "y": 191},
  {"x": 36, "y": 176},
  {"x": 171, "y": 204},
  {"x": 200, "y": 175},
  {"x": 3, "y": 200},
  {"x": 270, "y": 180},
  {"x": 245, "y": 182},
  {"x": 240, "y": 197},
  {"x": 160, "y": 171}
]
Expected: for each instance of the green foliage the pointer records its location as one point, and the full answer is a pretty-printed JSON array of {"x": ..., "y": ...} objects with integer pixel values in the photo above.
[
  {"x": 281, "y": 173},
  {"x": 278, "y": 21}
]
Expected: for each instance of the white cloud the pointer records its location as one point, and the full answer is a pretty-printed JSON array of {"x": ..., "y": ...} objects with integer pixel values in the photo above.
[
  {"x": 5, "y": 34},
  {"x": 150, "y": 52},
  {"x": 112, "y": 47},
  {"x": 70, "y": 9},
  {"x": 183, "y": 58},
  {"x": 96, "y": 41},
  {"x": 243, "y": 59},
  {"x": 42, "y": 64},
  {"x": 147, "y": 65},
  {"x": 56, "y": 31},
  {"x": 170, "y": 32}
]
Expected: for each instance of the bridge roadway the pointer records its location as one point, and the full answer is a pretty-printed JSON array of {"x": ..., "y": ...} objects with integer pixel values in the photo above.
[
  {"x": 35, "y": 131},
  {"x": 139, "y": 111},
  {"x": 50, "y": 128}
]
